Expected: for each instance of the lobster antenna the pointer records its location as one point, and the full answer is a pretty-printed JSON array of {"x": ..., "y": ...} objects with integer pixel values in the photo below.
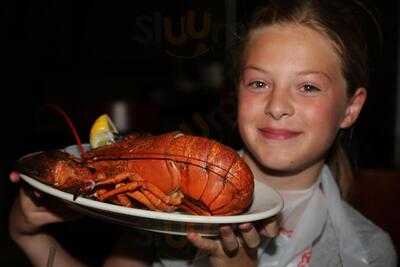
[{"x": 70, "y": 124}]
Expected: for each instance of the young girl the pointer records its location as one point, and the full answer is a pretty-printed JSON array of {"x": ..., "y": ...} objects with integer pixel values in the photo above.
[{"x": 301, "y": 80}]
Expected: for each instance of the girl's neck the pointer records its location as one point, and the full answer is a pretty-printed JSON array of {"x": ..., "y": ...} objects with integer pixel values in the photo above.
[{"x": 295, "y": 180}]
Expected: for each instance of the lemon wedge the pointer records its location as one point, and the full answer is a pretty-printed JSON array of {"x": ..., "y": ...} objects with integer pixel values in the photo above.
[{"x": 102, "y": 132}]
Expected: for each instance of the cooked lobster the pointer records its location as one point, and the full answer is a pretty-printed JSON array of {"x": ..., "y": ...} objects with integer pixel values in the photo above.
[{"x": 165, "y": 172}]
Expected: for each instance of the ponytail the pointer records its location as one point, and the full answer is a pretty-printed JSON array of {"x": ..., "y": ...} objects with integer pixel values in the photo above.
[{"x": 341, "y": 168}]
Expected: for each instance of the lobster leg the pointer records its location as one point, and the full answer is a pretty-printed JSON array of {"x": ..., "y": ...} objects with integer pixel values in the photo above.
[
  {"x": 176, "y": 200},
  {"x": 121, "y": 189},
  {"x": 150, "y": 201},
  {"x": 116, "y": 179},
  {"x": 138, "y": 196},
  {"x": 157, "y": 202},
  {"x": 157, "y": 198},
  {"x": 193, "y": 209},
  {"x": 123, "y": 200}
]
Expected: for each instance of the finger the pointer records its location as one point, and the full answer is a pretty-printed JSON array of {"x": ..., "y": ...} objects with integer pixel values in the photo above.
[
  {"x": 14, "y": 177},
  {"x": 229, "y": 241},
  {"x": 33, "y": 195},
  {"x": 271, "y": 229},
  {"x": 250, "y": 235},
  {"x": 37, "y": 194},
  {"x": 48, "y": 217},
  {"x": 202, "y": 243}
]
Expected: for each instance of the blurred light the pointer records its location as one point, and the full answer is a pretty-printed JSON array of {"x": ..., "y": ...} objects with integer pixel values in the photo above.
[{"x": 120, "y": 115}]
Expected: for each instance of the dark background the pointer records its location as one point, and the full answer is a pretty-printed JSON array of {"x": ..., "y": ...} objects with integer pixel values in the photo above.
[{"x": 88, "y": 56}]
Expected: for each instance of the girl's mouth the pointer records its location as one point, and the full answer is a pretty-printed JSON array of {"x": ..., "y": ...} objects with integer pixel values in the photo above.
[{"x": 278, "y": 134}]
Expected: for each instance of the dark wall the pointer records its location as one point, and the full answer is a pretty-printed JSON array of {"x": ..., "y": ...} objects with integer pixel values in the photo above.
[
  {"x": 374, "y": 135},
  {"x": 87, "y": 55}
]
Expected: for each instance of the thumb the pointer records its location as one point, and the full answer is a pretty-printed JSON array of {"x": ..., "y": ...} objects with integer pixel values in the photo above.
[{"x": 201, "y": 243}]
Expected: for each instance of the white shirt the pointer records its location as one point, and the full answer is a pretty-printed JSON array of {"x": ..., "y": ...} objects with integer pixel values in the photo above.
[{"x": 336, "y": 234}]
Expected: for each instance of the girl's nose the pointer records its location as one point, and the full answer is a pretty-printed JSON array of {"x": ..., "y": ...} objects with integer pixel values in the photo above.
[{"x": 278, "y": 104}]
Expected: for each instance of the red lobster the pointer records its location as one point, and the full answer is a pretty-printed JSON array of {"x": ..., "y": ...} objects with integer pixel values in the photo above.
[{"x": 165, "y": 172}]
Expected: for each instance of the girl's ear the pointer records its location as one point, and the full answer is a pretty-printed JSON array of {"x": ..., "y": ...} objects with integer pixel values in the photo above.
[{"x": 354, "y": 107}]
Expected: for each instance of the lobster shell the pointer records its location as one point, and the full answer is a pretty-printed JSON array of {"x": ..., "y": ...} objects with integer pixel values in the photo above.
[{"x": 212, "y": 177}]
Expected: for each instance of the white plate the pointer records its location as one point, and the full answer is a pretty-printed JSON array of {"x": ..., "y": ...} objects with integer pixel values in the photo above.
[{"x": 267, "y": 203}]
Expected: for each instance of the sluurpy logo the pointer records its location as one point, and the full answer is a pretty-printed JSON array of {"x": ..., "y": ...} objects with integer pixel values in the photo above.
[{"x": 190, "y": 35}]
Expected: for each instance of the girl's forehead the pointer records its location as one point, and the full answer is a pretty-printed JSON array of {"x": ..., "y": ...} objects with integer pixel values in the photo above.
[
  {"x": 294, "y": 30},
  {"x": 292, "y": 42}
]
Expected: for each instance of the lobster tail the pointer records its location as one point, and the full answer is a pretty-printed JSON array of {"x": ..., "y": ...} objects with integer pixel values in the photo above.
[{"x": 235, "y": 196}]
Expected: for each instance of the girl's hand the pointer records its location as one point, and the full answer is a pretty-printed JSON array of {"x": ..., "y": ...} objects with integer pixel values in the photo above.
[
  {"x": 232, "y": 250},
  {"x": 27, "y": 217},
  {"x": 29, "y": 213}
]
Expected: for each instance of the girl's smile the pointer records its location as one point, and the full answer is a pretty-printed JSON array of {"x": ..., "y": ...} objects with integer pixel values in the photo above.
[{"x": 278, "y": 134}]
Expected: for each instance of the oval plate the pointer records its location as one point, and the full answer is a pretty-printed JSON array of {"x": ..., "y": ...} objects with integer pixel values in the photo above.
[{"x": 266, "y": 203}]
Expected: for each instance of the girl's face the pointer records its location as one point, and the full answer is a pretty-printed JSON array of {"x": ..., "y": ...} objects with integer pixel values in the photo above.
[{"x": 292, "y": 98}]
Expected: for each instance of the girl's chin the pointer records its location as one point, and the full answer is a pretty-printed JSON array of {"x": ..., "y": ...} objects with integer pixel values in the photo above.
[
  {"x": 287, "y": 166},
  {"x": 278, "y": 162},
  {"x": 275, "y": 166},
  {"x": 281, "y": 169}
]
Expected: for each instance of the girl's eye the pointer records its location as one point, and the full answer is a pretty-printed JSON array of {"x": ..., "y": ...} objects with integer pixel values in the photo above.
[
  {"x": 309, "y": 88},
  {"x": 257, "y": 84}
]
